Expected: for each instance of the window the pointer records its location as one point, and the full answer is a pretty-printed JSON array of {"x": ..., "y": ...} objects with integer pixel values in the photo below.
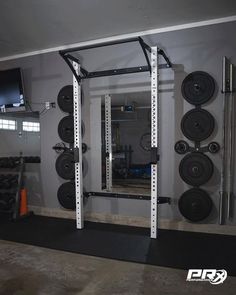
[
  {"x": 7, "y": 124},
  {"x": 31, "y": 126}
]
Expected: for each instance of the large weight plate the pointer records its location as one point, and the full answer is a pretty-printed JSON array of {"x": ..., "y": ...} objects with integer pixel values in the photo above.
[
  {"x": 197, "y": 124},
  {"x": 82, "y": 128},
  {"x": 66, "y": 195},
  {"x": 195, "y": 204},
  {"x": 196, "y": 169},
  {"x": 65, "y": 99},
  {"x": 84, "y": 167},
  {"x": 65, "y": 166},
  {"x": 66, "y": 129},
  {"x": 198, "y": 88}
]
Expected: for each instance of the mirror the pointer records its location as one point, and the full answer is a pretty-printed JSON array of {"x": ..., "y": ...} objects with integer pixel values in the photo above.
[
  {"x": 20, "y": 134},
  {"x": 130, "y": 143}
]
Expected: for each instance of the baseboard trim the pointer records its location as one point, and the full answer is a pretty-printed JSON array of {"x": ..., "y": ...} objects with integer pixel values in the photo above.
[{"x": 137, "y": 221}]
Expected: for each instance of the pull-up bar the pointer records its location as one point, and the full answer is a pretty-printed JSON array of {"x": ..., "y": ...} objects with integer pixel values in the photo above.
[{"x": 68, "y": 57}]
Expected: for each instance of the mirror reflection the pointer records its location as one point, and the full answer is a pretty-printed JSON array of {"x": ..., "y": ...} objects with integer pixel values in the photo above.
[
  {"x": 130, "y": 120},
  {"x": 20, "y": 134}
]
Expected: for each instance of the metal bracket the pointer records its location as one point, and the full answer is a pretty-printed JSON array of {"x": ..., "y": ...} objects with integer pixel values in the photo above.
[
  {"x": 154, "y": 155},
  {"x": 161, "y": 200},
  {"x": 76, "y": 155}
]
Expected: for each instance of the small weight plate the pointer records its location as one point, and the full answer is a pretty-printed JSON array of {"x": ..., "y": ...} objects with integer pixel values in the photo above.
[
  {"x": 65, "y": 99},
  {"x": 213, "y": 147},
  {"x": 197, "y": 124},
  {"x": 195, "y": 204},
  {"x": 198, "y": 88},
  {"x": 66, "y": 195},
  {"x": 65, "y": 165},
  {"x": 196, "y": 168},
  {"x": 181, "y": 147},
  {"x": 66, "y": 129}
]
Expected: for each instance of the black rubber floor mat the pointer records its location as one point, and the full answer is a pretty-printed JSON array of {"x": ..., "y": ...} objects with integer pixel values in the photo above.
[{"x": 176, "y": 249}]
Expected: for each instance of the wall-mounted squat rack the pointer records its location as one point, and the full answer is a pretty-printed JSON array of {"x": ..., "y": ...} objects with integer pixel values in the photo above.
[{"x": 79, "y": 74}]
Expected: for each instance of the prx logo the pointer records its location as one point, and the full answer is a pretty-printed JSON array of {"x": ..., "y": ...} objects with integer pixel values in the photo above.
[{"x": 213, "y": 276}]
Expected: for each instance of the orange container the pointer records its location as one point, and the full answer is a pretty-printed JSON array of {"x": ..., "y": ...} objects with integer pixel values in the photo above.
[{"x": 23, "y": 202}]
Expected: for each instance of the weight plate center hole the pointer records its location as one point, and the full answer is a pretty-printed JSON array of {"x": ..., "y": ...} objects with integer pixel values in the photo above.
[
  {"x": 197, "y": 87},
  {"x": 195, "y": 170}
]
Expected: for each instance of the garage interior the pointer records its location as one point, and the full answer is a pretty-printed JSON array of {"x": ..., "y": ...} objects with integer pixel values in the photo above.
[{"x": 117, "y": 151}]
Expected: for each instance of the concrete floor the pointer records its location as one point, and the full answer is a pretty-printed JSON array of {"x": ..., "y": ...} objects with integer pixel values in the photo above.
[{"x": 29, "y": 270}]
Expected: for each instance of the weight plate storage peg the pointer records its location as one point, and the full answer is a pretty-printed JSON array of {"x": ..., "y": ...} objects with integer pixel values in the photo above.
[
  {"x": 198, "y": 88},
  {"x": 65, "y": 99},
  {"x": 197, "y": 124},
  {"x": 65, "y": 165},
  {"x": 195, "y": 204},
  {"x": 196, "y": 169},
  {"x": 66, "y": 195},
  {"x": 181, "y": 147},
  {"x": 66, "y": 129}
]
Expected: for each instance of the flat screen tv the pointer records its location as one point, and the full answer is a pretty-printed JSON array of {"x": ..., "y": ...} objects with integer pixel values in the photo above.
[{"x": 11, "y": 91}]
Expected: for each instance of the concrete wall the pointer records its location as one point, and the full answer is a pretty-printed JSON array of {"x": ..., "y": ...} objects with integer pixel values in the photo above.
[{"x": 189, "y": 50}]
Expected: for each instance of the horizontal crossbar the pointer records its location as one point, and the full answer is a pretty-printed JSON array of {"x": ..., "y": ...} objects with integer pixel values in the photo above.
[{"x": 161, "y": 200}]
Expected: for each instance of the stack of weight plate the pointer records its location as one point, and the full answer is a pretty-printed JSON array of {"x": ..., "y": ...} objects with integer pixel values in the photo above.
[
  {"x": 65, "y": 165},
  {"x": 196, "y": 168}
]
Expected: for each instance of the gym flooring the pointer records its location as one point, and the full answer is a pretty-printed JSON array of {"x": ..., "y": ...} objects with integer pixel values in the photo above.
[{"x": 172, "y": 248}]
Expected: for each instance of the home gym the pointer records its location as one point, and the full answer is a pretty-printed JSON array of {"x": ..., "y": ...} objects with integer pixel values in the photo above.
[{"x": 117, "y": 150}]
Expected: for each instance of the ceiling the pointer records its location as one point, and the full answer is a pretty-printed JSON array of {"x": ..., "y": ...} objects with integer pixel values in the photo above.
[{"x": 33, "y": 25}]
